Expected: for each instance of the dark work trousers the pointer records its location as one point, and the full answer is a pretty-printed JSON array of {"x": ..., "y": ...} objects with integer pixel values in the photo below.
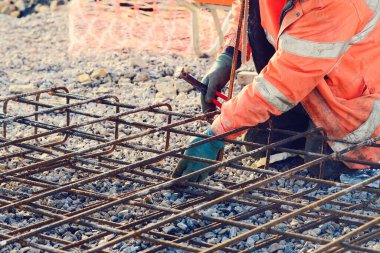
[{"x": 296, "y": 120}]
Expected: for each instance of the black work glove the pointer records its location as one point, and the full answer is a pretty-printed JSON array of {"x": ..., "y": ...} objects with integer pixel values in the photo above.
[{"x": 215, "y": 79}]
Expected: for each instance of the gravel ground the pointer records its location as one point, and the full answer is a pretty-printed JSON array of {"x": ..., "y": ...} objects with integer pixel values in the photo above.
[{"x": 35, "y": 56}]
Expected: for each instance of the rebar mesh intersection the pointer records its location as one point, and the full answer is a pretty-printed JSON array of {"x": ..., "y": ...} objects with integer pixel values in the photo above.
[{"x": 93, "y": 175}]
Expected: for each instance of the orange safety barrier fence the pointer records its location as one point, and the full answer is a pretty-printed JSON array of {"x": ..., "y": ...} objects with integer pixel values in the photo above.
[{"x": 149, "y": 25}]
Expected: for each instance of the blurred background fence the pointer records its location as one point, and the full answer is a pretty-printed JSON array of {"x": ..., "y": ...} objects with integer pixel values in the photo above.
[{"x": 172, "y": 26}]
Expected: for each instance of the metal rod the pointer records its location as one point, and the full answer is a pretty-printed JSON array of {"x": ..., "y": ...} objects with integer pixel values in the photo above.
[{"x": 27, "y": 160}]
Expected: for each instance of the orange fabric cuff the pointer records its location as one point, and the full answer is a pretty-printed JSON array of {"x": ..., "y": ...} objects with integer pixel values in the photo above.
[{"x": 218, "y": 129}]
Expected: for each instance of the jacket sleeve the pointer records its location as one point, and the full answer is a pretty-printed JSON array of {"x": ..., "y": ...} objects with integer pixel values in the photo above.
[
  {"x": 307, "y": 50},
  {"x": 230, "y": 37}
]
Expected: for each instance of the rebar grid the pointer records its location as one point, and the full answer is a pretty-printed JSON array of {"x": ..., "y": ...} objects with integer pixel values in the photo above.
[{"x": 82, "y": 174}]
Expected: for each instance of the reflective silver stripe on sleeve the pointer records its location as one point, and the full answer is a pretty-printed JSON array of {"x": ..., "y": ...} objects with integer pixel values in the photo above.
[
  {"x": 365, "y": 131},
  {"x": 374, "y": 5},
  {"x": 329, "y": 50},
  {"x": 307, "y": 48},
  {"x": 272, "y": 95},
  {"x": 270, "y": 38}
]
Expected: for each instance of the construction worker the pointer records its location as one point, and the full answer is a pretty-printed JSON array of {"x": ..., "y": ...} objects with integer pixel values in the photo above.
[{"x": 318, "y": 65}]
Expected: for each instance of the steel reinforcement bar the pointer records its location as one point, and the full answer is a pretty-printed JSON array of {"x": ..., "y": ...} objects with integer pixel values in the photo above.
[{"x": 94, "y": 175}]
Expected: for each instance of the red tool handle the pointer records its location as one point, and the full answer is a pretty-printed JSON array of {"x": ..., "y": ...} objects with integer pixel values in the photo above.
[
  {"x": 221, "y": 95},
  {"x": 202, "y": 87},
  {"x": 217, "y": 103}
]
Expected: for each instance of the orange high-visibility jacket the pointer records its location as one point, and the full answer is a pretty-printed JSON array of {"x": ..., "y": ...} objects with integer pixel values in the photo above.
[{"x": 327, "y": 58}]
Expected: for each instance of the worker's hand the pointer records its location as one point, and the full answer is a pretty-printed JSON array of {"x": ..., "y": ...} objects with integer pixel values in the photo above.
[
  {"x": 216, "y": 78},
  {"x": 209, "y": 150}
]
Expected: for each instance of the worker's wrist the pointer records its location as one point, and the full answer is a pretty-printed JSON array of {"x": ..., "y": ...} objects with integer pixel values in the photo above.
[
  {"x": 229, "y": 51},
  {"x": 218, "y": 128},
  {"x": 216, "y": 143}
]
